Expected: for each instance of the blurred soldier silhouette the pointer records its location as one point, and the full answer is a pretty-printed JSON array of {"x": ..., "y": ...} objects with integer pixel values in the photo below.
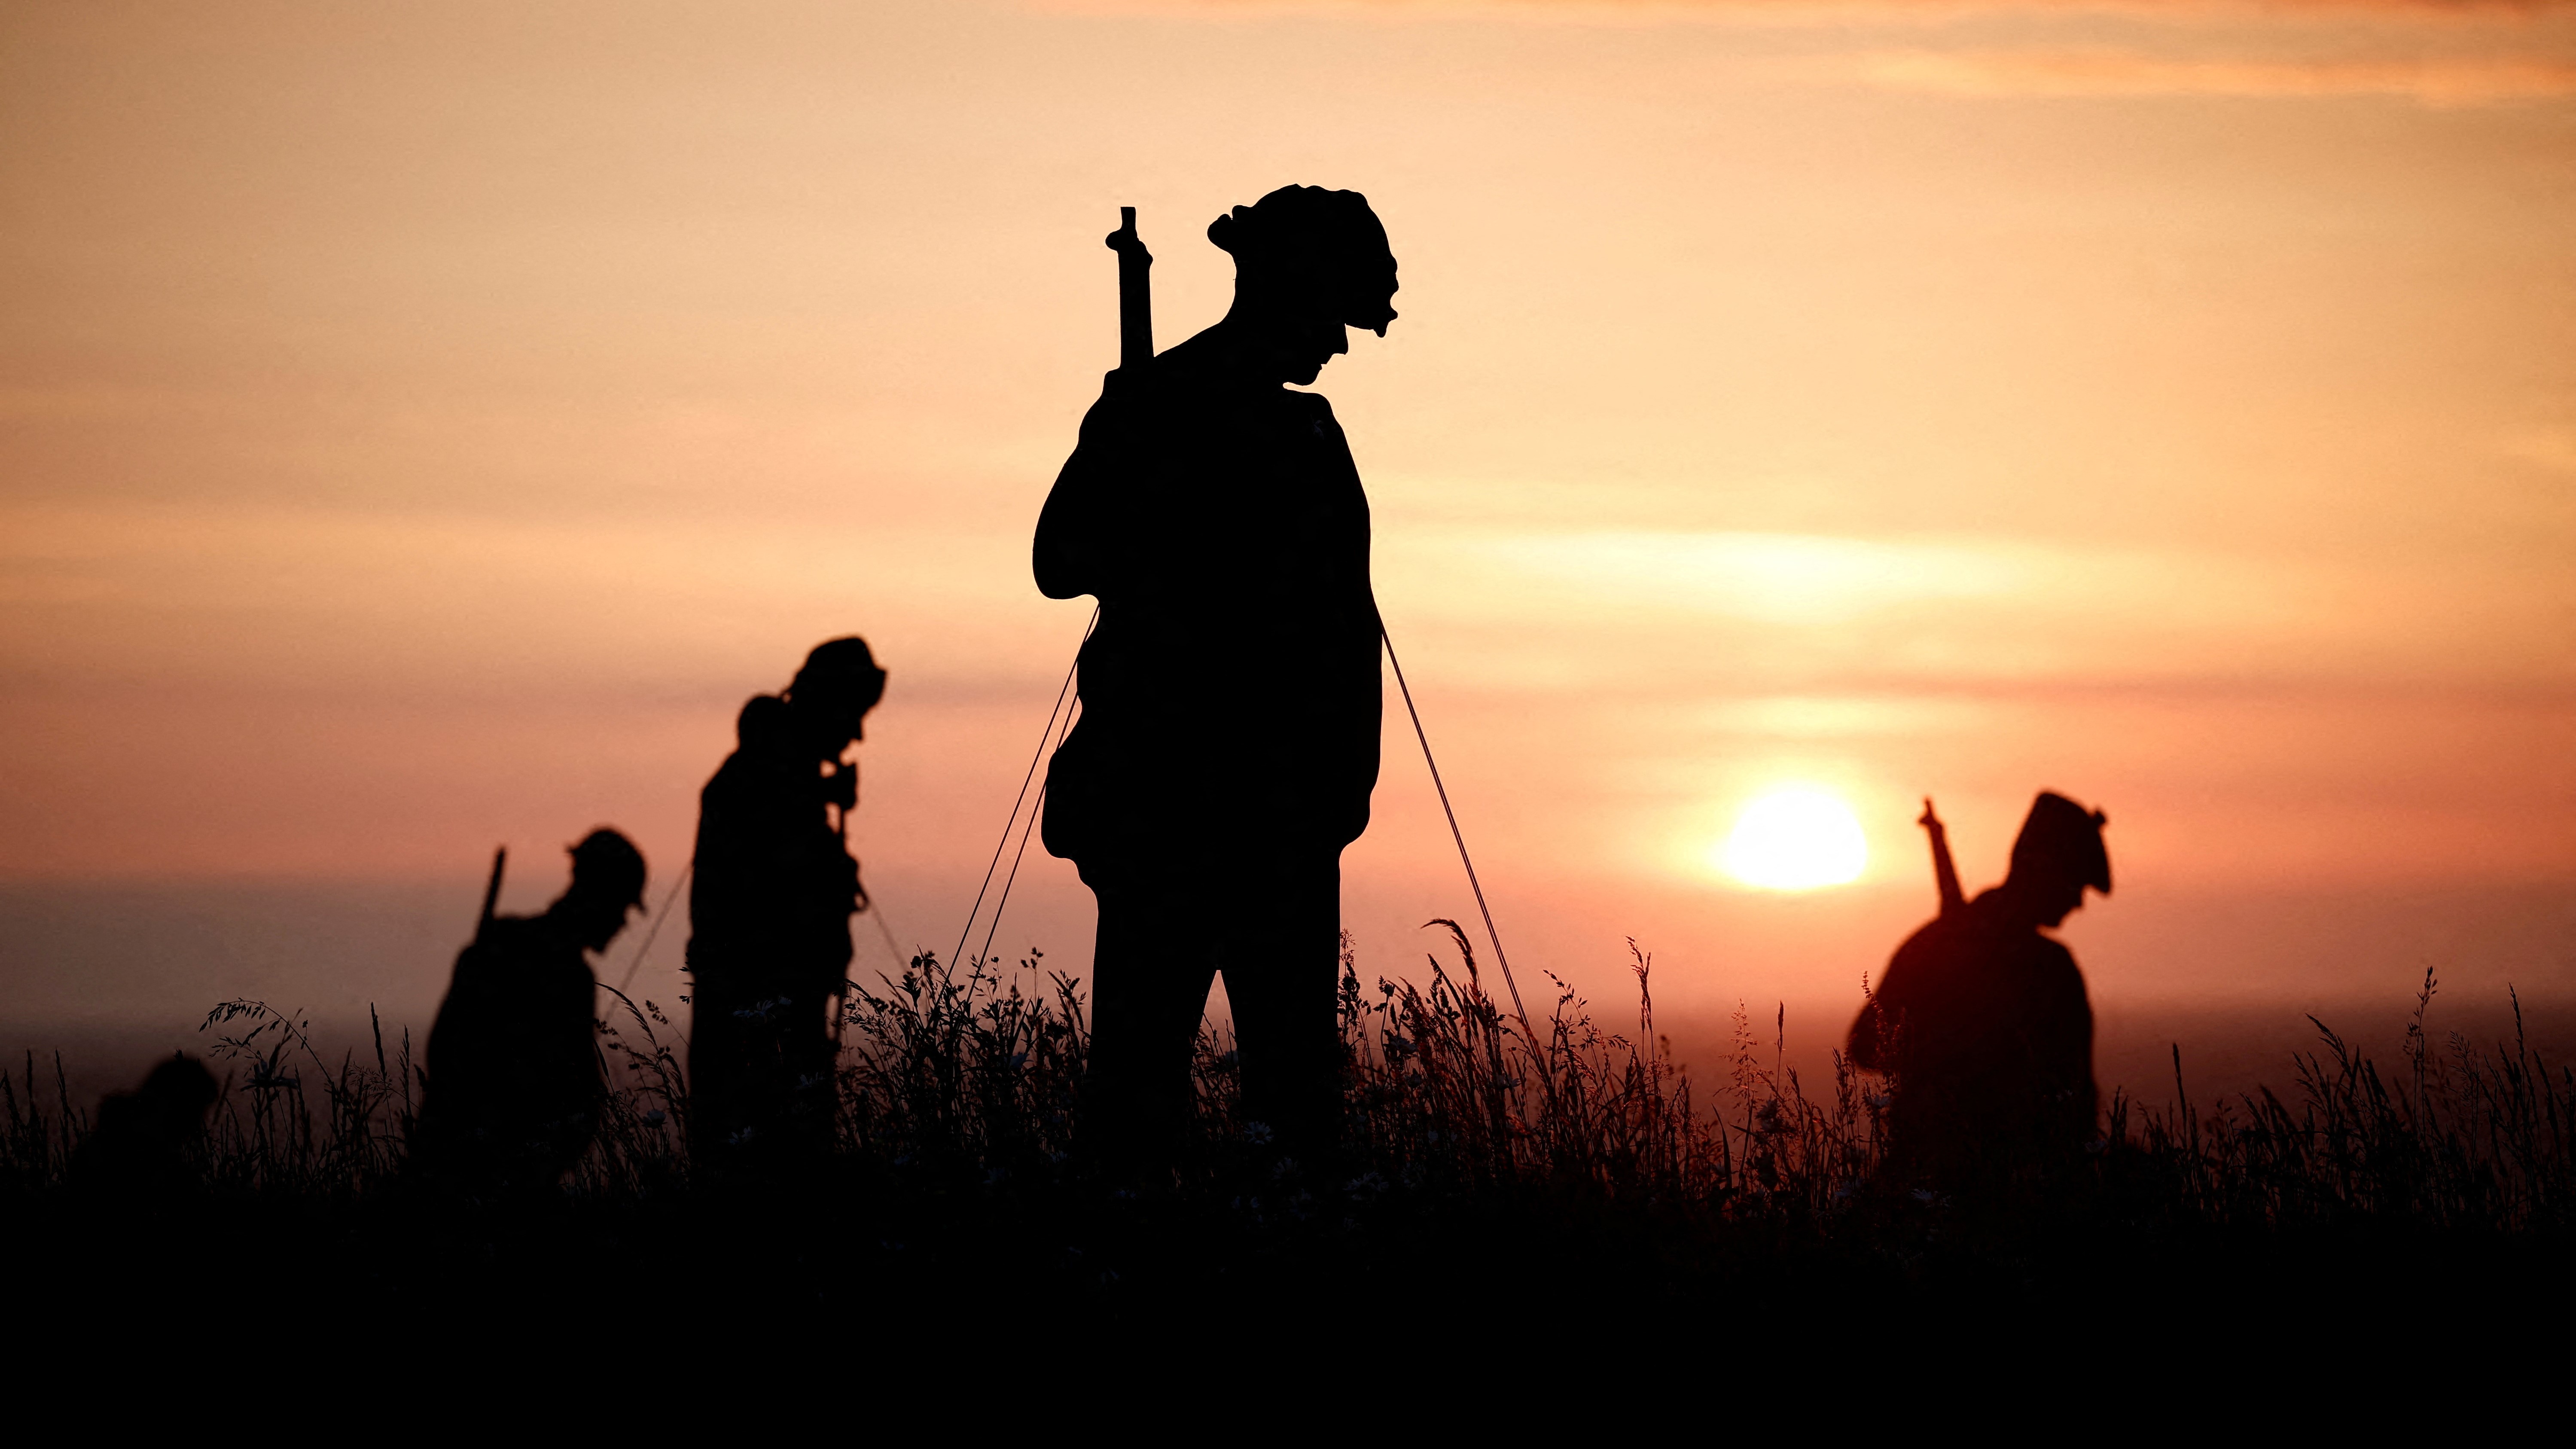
[
  {"x": 513, "y": 1077},
  {"x": 1230, "y": 694},
  {"x": 1984, "y": 1022},
  {"x": 769, "y": 914},
  {"x": 143, "y": 1139}
]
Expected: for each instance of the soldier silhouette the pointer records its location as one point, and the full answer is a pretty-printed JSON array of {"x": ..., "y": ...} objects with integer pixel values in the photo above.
[
  {"x": 769, "y": 913},
  {"x": 1230, "y": 694},
  {"x": 513, "y": 1080},
  {"x": 1984, "y": 1022},
  {"x": 143, "y": 1139}
]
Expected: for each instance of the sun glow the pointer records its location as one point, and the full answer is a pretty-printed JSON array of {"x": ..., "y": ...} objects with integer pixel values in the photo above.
[{"x": 1795, "y": 838}]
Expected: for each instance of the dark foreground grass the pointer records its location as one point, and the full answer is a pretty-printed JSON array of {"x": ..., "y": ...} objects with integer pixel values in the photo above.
[{"x": 1499, "y": 1177}]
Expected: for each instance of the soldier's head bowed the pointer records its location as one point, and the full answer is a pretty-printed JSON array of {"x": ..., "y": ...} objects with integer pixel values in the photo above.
[
  {"x": 607, "y": 885},
  {"x": 833, "y": 692},
  {"x": 1308, "y": 263},
  {"x": 1325, "y": 248},
  {"x": 2058, "y": 854}
]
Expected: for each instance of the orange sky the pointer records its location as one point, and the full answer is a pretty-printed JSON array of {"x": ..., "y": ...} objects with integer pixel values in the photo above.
[{"x": 420, "y": 426}]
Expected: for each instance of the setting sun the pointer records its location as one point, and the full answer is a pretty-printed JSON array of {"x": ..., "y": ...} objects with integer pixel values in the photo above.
[{"x": 1795, "y": 838}]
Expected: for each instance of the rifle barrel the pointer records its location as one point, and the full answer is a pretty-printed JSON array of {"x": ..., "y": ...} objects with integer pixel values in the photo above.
[
  {"x": 492, "y": 888},
  {"x": 1135, "y": 292},
  {"x": 1945, "y": 871}
]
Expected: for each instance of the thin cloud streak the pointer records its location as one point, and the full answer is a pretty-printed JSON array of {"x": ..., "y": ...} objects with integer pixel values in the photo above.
[
  {"x": 2111, "y": 73},
  {"x": 1837, "y": 12}
]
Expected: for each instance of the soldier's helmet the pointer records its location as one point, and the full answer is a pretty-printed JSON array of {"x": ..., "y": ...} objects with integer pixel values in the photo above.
[
  {"x": 841, "y": 680},
  {"x": 180, "y": 1089},
  {"x": 2064, "y": 839},
  {"x": 608, "y": 866},
  {"x": 1324, "y": 244}
]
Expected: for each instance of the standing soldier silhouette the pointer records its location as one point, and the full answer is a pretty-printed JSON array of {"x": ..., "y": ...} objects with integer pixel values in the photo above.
[
  {"x": 1984, "y": 1022},
  {"x": 1230, "y": 694},
  {"x": 512, "y": 1075},
  {"x": 769, "y": 914}
]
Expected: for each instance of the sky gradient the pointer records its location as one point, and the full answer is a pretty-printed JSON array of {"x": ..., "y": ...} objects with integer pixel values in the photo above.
[{"x": 421, "y": 427}]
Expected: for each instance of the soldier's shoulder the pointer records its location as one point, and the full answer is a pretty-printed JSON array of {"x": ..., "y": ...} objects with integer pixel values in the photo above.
[
  {"x": 1128, "y": 392},
  {"x": 504, "y": 936},
  {"x": 2049, "y": 951},
  {"x": 1313, "y": 405},
  {"x": 507, "y": 930},
  {"x": 1131, "y": 413},
  {"x": 1935, "y": 937},
  {"x": 486, "y": 959}
]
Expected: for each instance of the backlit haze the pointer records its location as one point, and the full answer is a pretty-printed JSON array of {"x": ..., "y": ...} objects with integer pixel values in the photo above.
[{"x": 421, "y": 426}]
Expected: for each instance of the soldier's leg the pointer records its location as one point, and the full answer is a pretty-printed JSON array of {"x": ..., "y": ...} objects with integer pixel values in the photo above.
[
  {"x": 1283, "y": 976},
  {"x": 716, "y": 1068},
  {"x": 814, "y": 1061},
  {"x": 1149, "y": 983},
  {"x": 769, "y": 1029}
]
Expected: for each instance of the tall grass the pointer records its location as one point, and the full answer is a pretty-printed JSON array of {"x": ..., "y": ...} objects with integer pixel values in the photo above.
[
  {"x": 973, "y": 1076},
  {"x": 2457, "y": 1137}
]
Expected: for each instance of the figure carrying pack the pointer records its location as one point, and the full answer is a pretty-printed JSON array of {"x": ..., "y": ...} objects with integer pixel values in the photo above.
[
  {"x": 769, "y": 915},
  {"x": 1228, "y": 741},
  {"x": 512, "y": 1074},
  {"x": 1984, "y": 1022}
]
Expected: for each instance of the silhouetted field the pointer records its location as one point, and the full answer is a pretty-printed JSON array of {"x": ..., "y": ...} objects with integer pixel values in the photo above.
[{"x": 1491, "y": 1167}]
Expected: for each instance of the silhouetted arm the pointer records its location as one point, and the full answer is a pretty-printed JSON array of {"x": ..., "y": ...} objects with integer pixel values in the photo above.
[
  {"x": 1073, "y": 551},
  {"x": 2065, "y": 1045}
]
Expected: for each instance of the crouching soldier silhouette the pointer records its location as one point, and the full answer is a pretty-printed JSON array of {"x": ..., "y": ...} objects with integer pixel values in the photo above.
[
  {"x": 512, "y": 1080},
  {"x": 145, "y": 1139},
  {"x": 1230, "y": 693},
  {"x": 769, "y": 914},
  {"x": 1983, "y": 1021}
]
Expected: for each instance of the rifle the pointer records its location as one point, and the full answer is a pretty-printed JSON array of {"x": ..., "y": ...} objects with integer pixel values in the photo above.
[
  {"x": 492, "y": 890},
  {"x": 1945, "y": 873},
  {"x": 1135, "y": 292}
]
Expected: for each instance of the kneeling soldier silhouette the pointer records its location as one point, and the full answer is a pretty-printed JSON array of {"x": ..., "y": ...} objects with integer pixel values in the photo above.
[
  {"x": 1984, "y": 1022},
  {"x": 145, "y": 1139},
  {"x": 513, "y": 1079}
]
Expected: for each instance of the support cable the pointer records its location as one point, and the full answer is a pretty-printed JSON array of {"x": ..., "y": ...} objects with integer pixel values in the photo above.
[
  {"x": 655, "y": 933},
  {"x": 999, "y": 906},
  {"x": 1045, "y": 735},
  {"x": 1491, "y": 935}
]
